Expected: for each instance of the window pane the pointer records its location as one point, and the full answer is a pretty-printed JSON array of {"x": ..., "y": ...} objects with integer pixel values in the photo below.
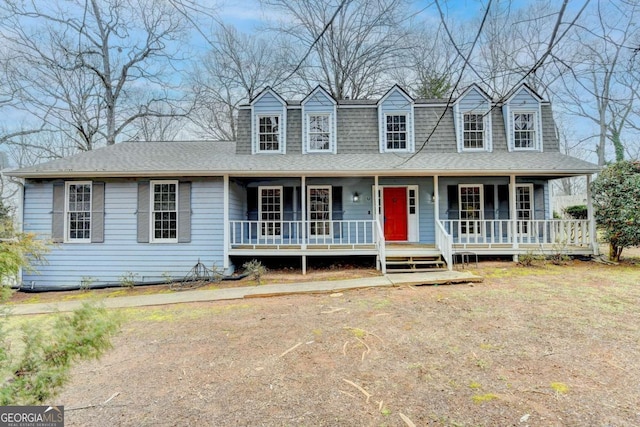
[
  {"x": 268, "y": 133},
  {"x": 78, "y": 211},
  {"x": 165, "y": 213},
  {"x": 396, "y": 132}
]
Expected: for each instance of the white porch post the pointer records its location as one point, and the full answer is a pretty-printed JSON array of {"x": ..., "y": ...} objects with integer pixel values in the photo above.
[
  {"x": 592, "y": 219},
  {"x": 436, "y": 199},
  {"x": 225, "y": 220},
  {"x": 512, "y": 214},
  {"x": 303, "y": 218},
  {"x": 376, "y": 199}
]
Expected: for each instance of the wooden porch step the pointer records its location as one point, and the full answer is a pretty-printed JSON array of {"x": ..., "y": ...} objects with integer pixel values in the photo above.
[{"x": 410, "y": 264}]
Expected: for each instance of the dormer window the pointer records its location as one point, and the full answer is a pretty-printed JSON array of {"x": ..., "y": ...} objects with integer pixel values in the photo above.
[
  {"x": 396, "y": 121},
  {"x": 473, "y": 131},
  {"x": 472, "y": 120},
  {"x": 396, "y": 133},
  {"x": 268, "y": 133},
  {"x": 319, "y": 132},
  {"x": 522, "y": 114},
  {"x": 524, "y": 133}
]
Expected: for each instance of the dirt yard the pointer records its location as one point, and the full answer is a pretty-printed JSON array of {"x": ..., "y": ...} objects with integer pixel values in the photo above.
[{"x": 539, "y": 346}]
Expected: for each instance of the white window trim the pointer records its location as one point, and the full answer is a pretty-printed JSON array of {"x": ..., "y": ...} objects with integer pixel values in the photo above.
[
  {"x": 152, "y": 238},
  {"x": 486, "y": 123},
  {"x": 407, "y": 117},
  {"x": 280, "y": 133},
  {"x": 536, "y": 129},
  {"x": 319, "y": 187},
  {"x": 532, "y": 209},
  {"x": 260, "y": 220},
  {"x": 308, "y": 131},
  {"x": 67, "y": 238}
]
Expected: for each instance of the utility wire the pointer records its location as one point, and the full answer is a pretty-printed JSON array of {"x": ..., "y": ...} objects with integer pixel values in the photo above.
[
  {"x": 317, "y": 39},
  {"x": 455, "y": 87}
]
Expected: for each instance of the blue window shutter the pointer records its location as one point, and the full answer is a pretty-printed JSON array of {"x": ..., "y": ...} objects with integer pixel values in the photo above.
[
  {"x": 97, "y": 212},
  {"x": 184, "y": 212},
  {"x": 57, "y": 220},
  {"x": 143, "y": 212}
]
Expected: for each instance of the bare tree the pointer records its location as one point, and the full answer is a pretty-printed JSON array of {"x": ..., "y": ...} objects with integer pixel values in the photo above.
[
  {"x": 601, "y": 79},
  {"x": 353, "y": 44},
  {"x": 234, "y": 70},
  {"x": 89, "y": 68},
  {"x": 430, "y": 64}
]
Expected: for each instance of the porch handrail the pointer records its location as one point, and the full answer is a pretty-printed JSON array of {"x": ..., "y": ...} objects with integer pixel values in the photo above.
[
  {"x": 444, "y": 243},
  {"x": 318, "y": 232},
  {"x": 381, "y": 244},
  {"x": 561, "y": 232}
]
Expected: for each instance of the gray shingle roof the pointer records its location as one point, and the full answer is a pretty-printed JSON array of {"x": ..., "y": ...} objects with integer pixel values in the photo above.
[{"x": 202, "y": 158}]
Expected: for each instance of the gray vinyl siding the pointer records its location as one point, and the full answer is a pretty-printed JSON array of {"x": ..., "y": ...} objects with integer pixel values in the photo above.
[
  {"x": 443, "y": 140},
  {"x": 243, "y": 143},
  {"x": 358, "y": 130},
  {"x": 549, "y": 132},
  {"x": 294, "y": 131},
  {"x": 120, "y": 253},
  {"x": 498, "y": 132}
]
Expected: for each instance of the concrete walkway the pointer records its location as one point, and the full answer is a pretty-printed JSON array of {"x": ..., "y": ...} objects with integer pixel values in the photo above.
[{"x": 426, "y": 278}]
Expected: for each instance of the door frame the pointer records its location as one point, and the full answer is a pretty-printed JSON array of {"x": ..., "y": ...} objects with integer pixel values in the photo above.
[{"x": 413, "y": 219}]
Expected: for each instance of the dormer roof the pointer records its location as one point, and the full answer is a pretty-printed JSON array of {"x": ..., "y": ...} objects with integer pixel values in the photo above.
[
  {"x": 396, "y": 88},
  {"x": 265, "y": 91},
  {"x": 322, "y": 90}
]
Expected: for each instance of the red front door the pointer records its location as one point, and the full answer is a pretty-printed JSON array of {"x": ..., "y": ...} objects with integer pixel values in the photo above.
[{"x": 395, "y": 213}]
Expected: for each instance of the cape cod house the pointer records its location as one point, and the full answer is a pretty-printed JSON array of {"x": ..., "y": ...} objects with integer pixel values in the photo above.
[{"x": 408, "y": 182}]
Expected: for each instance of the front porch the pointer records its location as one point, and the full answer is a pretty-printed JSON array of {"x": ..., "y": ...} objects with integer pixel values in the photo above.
[{"x": 366, "y": 237}]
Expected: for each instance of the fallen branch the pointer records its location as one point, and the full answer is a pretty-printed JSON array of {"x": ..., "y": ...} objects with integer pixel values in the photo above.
[
  {"x": 347, "y": 393},
  {"x": 344, "y": 348},
  {"x": 333, "y": 310},
  {"x": 76, "y": 408},
  {"x": 406, "y": 420},
  {"x": 350, "y": 328},
  {"x": 291, "y": 349},
  {"x": 364, "y": 344},
  {"x": 365, "y": 392}
]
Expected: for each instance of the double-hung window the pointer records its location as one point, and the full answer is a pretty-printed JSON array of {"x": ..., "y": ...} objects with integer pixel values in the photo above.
[
  {"x": 78, "y": 212},
  {"x": 524, "y": 133},
  {"x": 319, "y": 132},
  {"x": 319, "y": 203},
  {"x": 473, "y": 131},
  {"x": 164, "y": 211},
  {"x": 396, "y": 131},
  {"x": 269, "y": 133},
  {"x": 471, "y": 214},
  {"x": 270, "y": 211}
]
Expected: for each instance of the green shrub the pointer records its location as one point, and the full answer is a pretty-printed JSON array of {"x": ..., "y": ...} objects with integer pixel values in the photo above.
[
  {"x": 577, "y": 212},
  {"x": 33, "y": 372}
]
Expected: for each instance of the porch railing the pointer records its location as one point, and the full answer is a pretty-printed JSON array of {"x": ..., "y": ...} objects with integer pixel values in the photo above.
[
  {"x": 444, "y": 243},
  {"x": 352, "y": 233},
  {"x": 574, "y": 232}
]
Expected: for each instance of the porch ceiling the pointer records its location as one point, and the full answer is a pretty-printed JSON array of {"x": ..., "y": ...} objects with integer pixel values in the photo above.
[{"x": 151, "y": 159}]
